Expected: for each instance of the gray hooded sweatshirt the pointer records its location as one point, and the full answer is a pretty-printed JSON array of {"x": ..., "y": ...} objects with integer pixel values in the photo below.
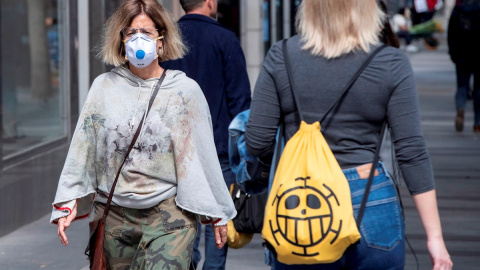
[{"x": 174, "y": 154}]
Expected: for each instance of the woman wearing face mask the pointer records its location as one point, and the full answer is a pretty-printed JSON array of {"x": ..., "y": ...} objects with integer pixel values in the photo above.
[{"x": 171, "y": 176}]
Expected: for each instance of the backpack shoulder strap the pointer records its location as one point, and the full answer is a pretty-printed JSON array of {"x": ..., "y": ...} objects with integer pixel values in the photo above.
[{"x": 345, "y": 90}]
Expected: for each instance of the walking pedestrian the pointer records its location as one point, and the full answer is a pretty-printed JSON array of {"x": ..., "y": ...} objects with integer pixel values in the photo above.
[
  {"x": 335, "y": 38},
  {"x": 401, "y": 26},
  {"x": 172, "y": 176},
  {"x": 463, "y": 44},
  {"x": 216, "y": 62}
]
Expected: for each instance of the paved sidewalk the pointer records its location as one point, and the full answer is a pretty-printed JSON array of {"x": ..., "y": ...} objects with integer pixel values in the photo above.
[{"x": 456, "y": 161}]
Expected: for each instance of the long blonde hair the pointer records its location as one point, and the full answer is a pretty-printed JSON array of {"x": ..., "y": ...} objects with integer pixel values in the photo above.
[
  {"x": 112, "y": 51},
  {"x": 331, "y": 28}
]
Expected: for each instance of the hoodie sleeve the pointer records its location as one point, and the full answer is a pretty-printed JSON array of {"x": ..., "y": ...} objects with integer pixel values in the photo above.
[
  {"x": 78, "y": 177},
  {"x": 201, "y": 188}
]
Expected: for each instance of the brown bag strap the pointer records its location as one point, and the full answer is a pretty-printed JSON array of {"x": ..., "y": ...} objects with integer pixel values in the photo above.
[{"x": 137, "y": 133}]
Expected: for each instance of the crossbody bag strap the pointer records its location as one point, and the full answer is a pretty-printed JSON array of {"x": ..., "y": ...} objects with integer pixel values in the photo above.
[
  {"x": 344, "y": 92},
  {"x": 135, "y": 137}
]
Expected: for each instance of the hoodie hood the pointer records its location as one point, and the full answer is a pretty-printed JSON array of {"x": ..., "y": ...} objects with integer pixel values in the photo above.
[{"x": 173, "y": 77}]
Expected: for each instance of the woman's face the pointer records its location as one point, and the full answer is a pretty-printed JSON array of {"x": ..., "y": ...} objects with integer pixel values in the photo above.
[{"x": 142, "y": 21}]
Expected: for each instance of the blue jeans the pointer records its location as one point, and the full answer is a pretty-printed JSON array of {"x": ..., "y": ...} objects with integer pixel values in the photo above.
[
  {"x": 214, "y": 258},
  {"x": 382, "y": 245},
  {"x": 464, "y": 73}
]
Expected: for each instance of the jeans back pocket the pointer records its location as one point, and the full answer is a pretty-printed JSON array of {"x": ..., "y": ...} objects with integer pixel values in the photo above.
[{"x": 382, "y": 225}]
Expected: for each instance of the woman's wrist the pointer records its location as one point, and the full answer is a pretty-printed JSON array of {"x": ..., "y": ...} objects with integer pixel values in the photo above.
[{"x": 435, "y": 239}]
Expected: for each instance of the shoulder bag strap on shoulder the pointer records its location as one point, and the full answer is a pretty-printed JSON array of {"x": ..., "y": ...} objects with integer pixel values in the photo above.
[{"x": 132, "y": 143}]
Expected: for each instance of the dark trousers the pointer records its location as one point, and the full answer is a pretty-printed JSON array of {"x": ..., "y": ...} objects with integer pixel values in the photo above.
[
  {"x": 405, "y": 35},
  {"x": 464, "y": 74}
]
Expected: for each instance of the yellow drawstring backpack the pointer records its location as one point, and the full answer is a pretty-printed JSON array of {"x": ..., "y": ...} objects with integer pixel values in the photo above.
[{"x": 309, "y": 215}]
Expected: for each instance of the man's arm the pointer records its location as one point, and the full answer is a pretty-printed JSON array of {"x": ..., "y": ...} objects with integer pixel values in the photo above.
[{"x": 237, "y": 85}]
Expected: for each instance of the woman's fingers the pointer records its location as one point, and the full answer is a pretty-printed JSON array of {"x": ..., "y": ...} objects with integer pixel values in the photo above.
[
  {"x": 61, "y": 231},
  {"x": 220, "y": 235},
  {"x": 64, "y": 223}
]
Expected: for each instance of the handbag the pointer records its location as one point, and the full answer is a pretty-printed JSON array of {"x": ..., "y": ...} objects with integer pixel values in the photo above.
[
  {"x": 94, "y": 249},
  {"x": 236, "y": 239},
  {"x": 250, "y": 210},
  {"x": 249, "y": 219}
]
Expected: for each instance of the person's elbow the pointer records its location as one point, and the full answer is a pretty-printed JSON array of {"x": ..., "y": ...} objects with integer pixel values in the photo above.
[
  {"x": 255, "y": 147},
  {"x": 252, "y": 147}
]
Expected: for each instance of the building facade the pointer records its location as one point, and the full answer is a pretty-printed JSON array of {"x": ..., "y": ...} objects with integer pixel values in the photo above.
[{"x": 48, "y": 61}]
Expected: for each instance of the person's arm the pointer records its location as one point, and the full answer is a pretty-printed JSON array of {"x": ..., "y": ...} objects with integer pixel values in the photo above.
[
  {"x": 78, "y": 180},
  {"x": 64, "y": 223},
  {"x": 201, "y": 188},
  {"x": 401, "y": 22},
  {"x": 237, "y": 85},
  {"x": 265, "y": 111},
  {"x": 426, "y": 204},
  {"x": 413, "y": 157},
  {"x": 220, "y": 235},
  {"x": 452, "y": 36}
]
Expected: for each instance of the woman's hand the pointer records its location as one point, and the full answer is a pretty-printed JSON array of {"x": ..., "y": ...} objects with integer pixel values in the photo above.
[
  {"x": 220, "y": 235},
  {"x": 426, "y": 204},
  {"x": 439, "y": 255},
  {"x": 64, "y": 223}
]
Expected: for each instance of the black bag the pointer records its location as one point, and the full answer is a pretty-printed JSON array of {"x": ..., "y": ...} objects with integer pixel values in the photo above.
[
  {"x": 259, "y": 172},
  {"x": 250, "y": 210}
]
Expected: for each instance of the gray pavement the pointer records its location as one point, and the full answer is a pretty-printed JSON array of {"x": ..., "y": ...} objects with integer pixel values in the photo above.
[{"x": 456, "y": 161}]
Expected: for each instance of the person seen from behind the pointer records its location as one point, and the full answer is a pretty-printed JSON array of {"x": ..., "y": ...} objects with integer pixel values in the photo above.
[
  {"x": 464, "y": 44},
  {"x": 216, "y": 62},
  {"x": 172, "y": 176},
  {"x": 335, "y": 38},
  {"x": 401, "y": 25}
]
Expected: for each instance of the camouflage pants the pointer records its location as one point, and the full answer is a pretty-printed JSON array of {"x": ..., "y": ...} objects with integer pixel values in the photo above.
[{"x": 160, "y": 237}]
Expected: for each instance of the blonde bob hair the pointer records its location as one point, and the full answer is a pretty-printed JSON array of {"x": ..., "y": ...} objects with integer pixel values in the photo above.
[
  {"x": 331, "y": 28},
  {"x": 112, "y": 51}
]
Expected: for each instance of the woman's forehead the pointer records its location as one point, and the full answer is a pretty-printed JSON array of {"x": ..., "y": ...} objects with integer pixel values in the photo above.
[{"x": 142, "y": 20}]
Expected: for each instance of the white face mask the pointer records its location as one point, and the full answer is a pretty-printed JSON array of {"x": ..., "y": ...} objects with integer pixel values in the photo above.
[{"x": 141, "y": 50}]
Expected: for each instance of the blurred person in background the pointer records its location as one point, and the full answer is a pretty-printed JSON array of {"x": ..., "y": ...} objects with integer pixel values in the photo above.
[
  {"x": 423, "y": 25},
  {"x": 464, "y": 44},
  {"x": 401, "y": 26}
]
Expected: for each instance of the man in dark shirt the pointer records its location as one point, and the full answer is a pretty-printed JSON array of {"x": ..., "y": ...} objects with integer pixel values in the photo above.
[{"x": 216, "y": 62}]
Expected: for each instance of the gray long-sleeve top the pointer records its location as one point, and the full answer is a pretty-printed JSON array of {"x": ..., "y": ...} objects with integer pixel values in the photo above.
[{"x": 385, "y": 90}]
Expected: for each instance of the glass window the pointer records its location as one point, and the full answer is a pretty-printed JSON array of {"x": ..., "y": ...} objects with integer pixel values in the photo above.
[
  {"x": 229, "y": 15},
  {"x": 279, "y": 19},
  {"x": 33, "y": 110},
  {"x": 266, "y": 26},
  {"x": 293, "y": 12}
]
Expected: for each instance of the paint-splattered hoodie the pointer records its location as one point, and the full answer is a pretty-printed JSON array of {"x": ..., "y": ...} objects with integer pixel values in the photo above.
[{"x": 174, "y": 154}]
